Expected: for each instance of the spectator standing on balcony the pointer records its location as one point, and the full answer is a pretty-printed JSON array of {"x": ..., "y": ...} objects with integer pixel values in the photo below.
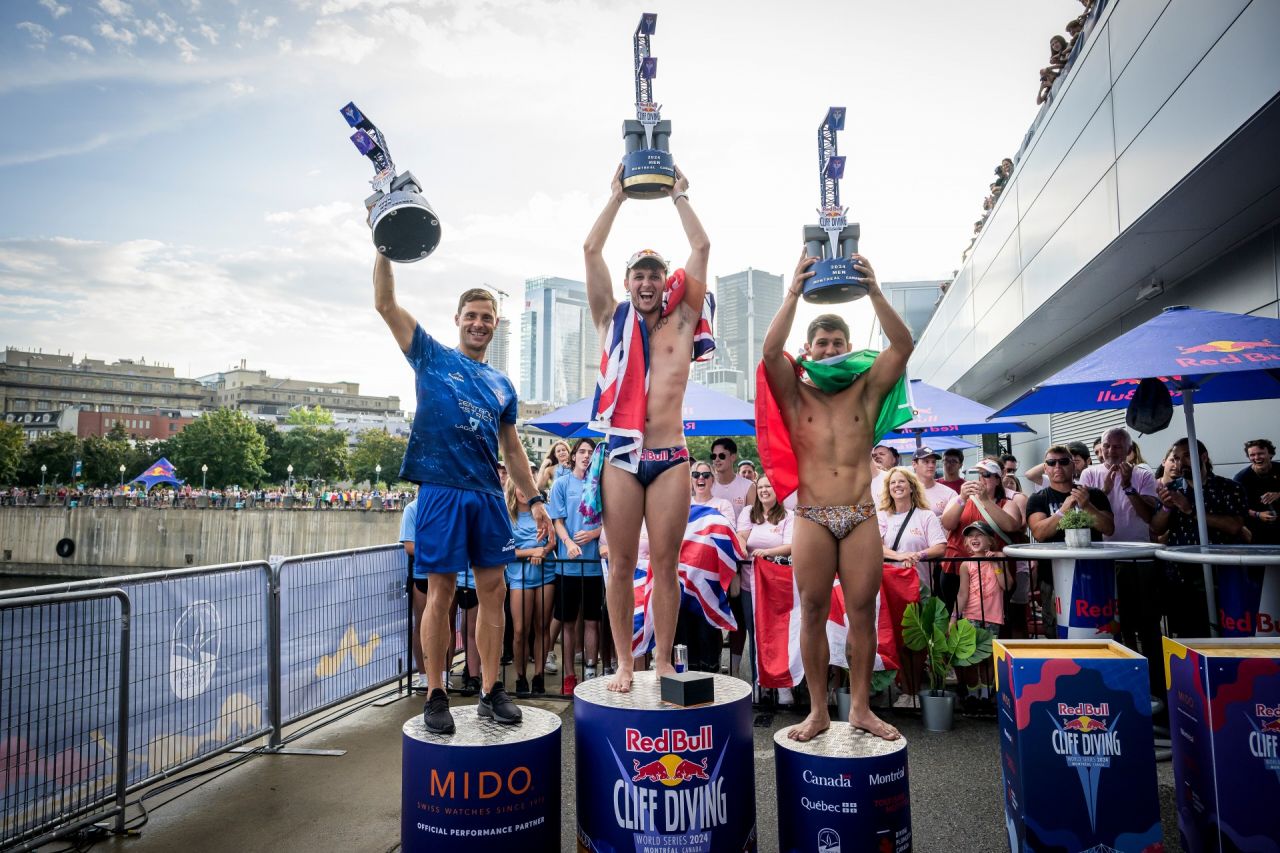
[
  {"x": 579, "y": 601},
  {"x": 952, "y": 462},
  {"x": 466, "y": 410},
  {"x": 728, "y": 483},
  {"x": 1260, "y": 480}
]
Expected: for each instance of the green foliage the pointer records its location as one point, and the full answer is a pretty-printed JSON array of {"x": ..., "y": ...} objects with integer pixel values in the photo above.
[
  {"x": 225, "y": 440},
  {"x": 302, "y": 416},
  {"x": 700, "y": 448},
  {"x": 13, "y": 448},
  {"x": 1075, "y": 519},
  {"x": 102, "y": 456},
  {"x": 276, "y": 461},
  {"x": 376, "y": 447},
  {"x": 58, "y": 451},
  {"x": 316, "y": 453},
  {"x": 926, "y": 627}
]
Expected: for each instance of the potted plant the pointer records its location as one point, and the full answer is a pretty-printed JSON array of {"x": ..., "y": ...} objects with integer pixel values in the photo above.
[
  {"x": 1075, "y": 524},
  {"x": 927, "y": 627}
]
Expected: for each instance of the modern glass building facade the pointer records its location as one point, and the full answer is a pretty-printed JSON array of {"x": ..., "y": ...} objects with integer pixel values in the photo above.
[{"x": 560, "y": 346}]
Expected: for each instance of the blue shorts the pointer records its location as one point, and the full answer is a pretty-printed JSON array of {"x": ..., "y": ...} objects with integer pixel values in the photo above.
[{"x": 457, "y": 528}]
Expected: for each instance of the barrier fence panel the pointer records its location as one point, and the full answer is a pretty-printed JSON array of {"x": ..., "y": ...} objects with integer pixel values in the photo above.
[
  {"x": 64, "y": 671},
  {"x": 343, "y": 620}
]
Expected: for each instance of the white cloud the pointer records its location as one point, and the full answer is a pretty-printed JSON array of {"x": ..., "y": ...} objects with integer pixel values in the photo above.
[
  {"x": 338, "y": 41},
  {"x": 121, "y": 36},
  {"x": 39, "y": 35},
  {"x": 115, "y": 8},
  {"x": 257, "y": 29},
  {"x": 56, "y": 9},
  {"x": 77, "y": 43},
  {"x": 239, "y": 88},
  {"x": 186, "y": 49},
  {"x": 152, "y": 30},
  {"x": 209, "y": 33}
]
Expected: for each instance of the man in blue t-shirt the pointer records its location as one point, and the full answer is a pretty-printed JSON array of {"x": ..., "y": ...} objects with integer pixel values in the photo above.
[{"x": 466, "y": 410}]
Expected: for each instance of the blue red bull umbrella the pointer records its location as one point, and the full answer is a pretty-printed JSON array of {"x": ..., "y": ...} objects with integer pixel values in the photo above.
[
  {"x": 705, "y": 412},
  {"x": 1201, "y": 356},
  {"x": 939, "y": 412}
]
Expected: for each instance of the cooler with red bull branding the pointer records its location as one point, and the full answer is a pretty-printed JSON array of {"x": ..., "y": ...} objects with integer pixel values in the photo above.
[
  {"x": 487, "y": 787},
  {"x": 845, "y": 790},
  {"x": 1076, "y": 747},
  {"x": 1224, "y": 712},
  {"x": 655, "y": 778}
]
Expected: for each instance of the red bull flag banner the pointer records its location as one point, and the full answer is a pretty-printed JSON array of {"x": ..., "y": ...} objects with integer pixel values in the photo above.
[
  {"x": 777, "y": 616},
  {"x": 1184, "y": 348},
  {"x": 160, "y": 471}
]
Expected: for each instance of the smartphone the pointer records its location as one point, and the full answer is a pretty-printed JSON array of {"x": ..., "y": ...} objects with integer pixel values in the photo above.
[{"x": 1179, "y": 483}]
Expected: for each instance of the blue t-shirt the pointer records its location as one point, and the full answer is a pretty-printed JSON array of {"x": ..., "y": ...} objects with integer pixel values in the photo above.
[
  {"x": 461, "y": 402},
  {"x": 521, "y": 574},
  {"x": 409, "y": 522},
  {"x": 566, "y": 496}
]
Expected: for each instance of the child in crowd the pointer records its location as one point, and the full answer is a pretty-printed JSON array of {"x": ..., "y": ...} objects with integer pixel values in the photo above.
[{"x": 981, "y": 600}]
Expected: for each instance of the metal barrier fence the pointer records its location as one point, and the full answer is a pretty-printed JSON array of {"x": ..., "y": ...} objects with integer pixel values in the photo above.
[{"x": 64, "y": 674}]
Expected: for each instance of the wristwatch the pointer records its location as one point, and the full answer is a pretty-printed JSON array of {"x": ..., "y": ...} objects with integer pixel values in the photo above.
[
  {"x": 675, "y": 199},
  {"x": 536, "y": 499},
  {"x": 1130, "y": 491}
]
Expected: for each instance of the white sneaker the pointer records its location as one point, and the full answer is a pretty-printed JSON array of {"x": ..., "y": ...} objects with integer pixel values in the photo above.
[
  {"x": 589, "y": 672},
  {"x": 550, "y": 665},
  {"x": 420, "y": 682}
]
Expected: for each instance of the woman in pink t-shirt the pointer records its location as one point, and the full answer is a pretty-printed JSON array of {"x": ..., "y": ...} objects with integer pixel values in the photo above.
[{"x": 764, "y": 528}]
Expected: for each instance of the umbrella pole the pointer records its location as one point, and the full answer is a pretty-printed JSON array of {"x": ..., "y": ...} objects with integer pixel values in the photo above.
[
  {"x": 919, "y": 439},
  {"x": 1202, "y": 520}
]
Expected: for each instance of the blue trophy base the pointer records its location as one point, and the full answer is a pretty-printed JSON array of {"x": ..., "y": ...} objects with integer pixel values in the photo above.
[
  {"x": 834, "y": 280},
  {"x": 648, "y": 173}
]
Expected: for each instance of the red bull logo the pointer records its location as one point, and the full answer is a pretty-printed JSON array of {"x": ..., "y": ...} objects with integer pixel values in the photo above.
[
  {"x": 1270, "y": 726},
  {"x": 1084, "y": 724},
  {"x": 1108, "y": 396},
  {"x": 1222, "y": 353},
  {"x": 669, "y": 770},
  {"x": 671, "y": 740}
]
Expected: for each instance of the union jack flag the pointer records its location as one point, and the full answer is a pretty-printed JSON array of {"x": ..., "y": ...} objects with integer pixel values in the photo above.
[{"x": 708, "y": 561}]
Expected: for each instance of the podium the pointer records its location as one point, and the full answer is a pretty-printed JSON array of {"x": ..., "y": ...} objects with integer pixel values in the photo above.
[
  {"x": 487, "y": 787},
  {"x": 652, "y": 776},
  {"x": 843, "y": 790},
  {"x": 1224, "y": 709}
]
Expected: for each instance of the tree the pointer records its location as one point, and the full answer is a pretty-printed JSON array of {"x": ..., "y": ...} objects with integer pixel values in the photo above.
[
  {"x": 302, "y": 416},
  {"x": 377, "y": 447},
  {"x": 103, "y": 455},
  {"x": 276, "y": 461},
  {"x": 227, "y": 442},
  {"x": 58, "y": 451},
  {"x": 316, "y": 453},
  {"x": 13, "y": 447}
]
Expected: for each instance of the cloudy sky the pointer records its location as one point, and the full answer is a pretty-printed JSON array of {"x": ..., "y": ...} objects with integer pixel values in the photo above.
[{"x": 180, "y": 185}]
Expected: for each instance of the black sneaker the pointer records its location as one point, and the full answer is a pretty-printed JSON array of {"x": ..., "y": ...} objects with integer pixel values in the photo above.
[
  {"x": 538, "y": 688},
  {"x": 436, "y": 714},
  {"x": 497, "y": 705},
  {"x": 522, "y": 687},
  {"x": 470, "y": 685}
]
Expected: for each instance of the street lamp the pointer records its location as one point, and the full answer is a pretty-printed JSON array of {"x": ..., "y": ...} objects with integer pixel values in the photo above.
[
  {"x": 377, "y": 470},
  {"x": 43, "y": 468},
  {"x": 122, "y": 475},
  {"x": 204, "y": 475},
  {"x": 289, "y": 468}
]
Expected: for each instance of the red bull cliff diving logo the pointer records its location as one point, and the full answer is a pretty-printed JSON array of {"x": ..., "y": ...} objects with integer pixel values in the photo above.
[
  {"x": 1130, "y": 386},
  {"x": 1264, "y": 740},
  {"x": 1086, "y": 737},
  {"x": 690, "y": 794},
  {"x": 1216, "y": 353}
]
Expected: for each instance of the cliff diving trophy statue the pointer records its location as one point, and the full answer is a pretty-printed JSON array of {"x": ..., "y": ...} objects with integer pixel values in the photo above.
[
  {"x": 648, "y": 170},
  {"x": 405, "y": 228},
  {"x": 833, "y": 240}
]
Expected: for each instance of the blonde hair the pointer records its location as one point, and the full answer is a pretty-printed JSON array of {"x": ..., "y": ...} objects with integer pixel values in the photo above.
[
  {"x": 513, "y": 503},
  {"x": 917, "y": 490}
]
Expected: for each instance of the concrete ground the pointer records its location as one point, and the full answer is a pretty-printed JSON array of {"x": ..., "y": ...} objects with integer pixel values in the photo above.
[{"x": 287, "y": 803}]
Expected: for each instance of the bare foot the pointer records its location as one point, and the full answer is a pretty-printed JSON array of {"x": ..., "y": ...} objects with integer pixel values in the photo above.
[
  {"x": 815, "y": 724},
  {"x": 664, "y": 668},
  {"x": 621, "y": 681},
  {"x": 872, "y": 724}
]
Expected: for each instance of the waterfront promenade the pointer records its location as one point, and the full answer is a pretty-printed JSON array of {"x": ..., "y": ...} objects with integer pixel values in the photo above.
[{"x": 352, "y": 803}]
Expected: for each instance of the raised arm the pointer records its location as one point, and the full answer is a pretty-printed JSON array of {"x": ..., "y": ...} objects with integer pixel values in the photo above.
[
  {"x": 699, "y": 244},
  {"x": 400, "y": 321},
  {"x": 599, "y": 284},
  {"x": 892, "y": 363},
  {"x": 782, "y": 377}
]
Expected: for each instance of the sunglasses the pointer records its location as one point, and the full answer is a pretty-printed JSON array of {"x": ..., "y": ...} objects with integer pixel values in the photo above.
[
  {"x": 719, "y": 455},
  {"x": 990, "y": 476},
  {"x": 1054, "y": 463},
  {"x": 701, "y": 475}
]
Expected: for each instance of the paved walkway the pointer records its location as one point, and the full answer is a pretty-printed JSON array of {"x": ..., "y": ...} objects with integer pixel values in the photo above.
[{"x": 306, "y": 804}]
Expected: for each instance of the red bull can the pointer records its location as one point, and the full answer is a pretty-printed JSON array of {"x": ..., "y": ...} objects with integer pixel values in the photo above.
[
  {"x": 680, "y": 657},
  {"x": 1076, "y": 748},
  {"x": 1224, "y": 712}
]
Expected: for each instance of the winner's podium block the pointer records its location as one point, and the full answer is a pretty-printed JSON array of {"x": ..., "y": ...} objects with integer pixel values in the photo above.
[
  {"x": 1224, "y": 710},
  {"x": 843, "y": 790},
  {"x": 652, "y": 776},
  {"x": 487, "y": 787},
  {"x": 1076, "y": 746}
]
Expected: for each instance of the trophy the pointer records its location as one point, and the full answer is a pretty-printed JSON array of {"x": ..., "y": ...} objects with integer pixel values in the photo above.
[
  {"x": 648, "y": 170},
  {"x": 405, "y": 228},
  {"x": 833, "y": 240}
]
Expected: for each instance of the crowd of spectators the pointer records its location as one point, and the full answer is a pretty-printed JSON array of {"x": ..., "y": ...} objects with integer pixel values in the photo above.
[{"x": 188, "y": 497}]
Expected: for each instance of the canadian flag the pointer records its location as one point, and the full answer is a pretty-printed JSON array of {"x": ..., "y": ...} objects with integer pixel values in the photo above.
[{"x": 776, "y": 602}]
